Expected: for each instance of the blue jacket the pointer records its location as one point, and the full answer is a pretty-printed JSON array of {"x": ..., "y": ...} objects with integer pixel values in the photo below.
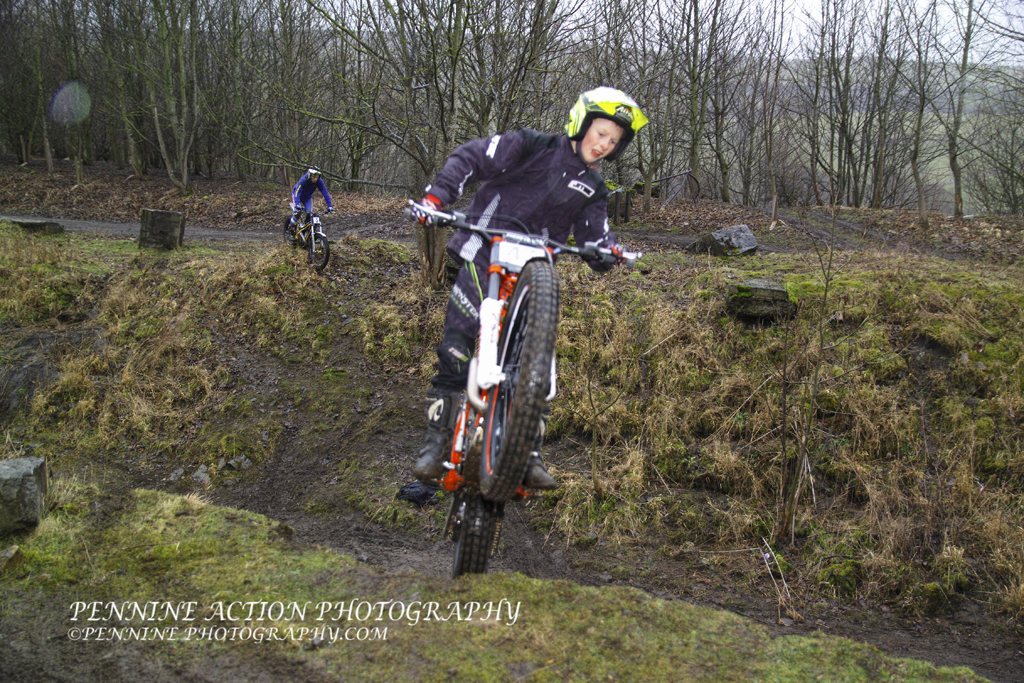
[
  {"x": 534, "y": 177},
  {"x": 303, "y": 191}
]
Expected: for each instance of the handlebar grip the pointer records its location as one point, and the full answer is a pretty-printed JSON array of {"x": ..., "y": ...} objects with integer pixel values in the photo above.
[
  {"x": 427, "y": 215},
  {"x": 591, "y": 251}
]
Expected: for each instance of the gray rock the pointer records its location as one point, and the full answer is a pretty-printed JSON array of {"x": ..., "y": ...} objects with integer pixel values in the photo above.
[
  {"x": 10, "y": 559},
  {"x": 736, "y": 240},
  {"x": 176, "y": 474},
  {"x": 240, "y": 463},
  {"x": 759, "y": 298},
  {"x": 23, "y": 484},
  {"x": 201, "y": 476}
]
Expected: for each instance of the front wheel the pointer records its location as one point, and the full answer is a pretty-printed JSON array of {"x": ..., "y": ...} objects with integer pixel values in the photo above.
[
  {"x": 475, "y": 523},
  {"x": 319, "y": 251},
  {"x": 515, "y": 406},
  {"x": 289, "y": 232}
]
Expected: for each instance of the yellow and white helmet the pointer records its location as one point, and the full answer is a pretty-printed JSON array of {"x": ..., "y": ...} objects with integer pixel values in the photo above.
[{"x": 606, "y": 103}]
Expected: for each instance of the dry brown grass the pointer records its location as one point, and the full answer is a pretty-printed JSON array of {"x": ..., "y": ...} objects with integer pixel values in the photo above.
[{"x": 899, "y": 437}]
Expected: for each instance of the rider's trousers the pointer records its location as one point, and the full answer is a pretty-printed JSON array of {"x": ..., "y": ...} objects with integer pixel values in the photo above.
[{"x": 461, "y": 326}]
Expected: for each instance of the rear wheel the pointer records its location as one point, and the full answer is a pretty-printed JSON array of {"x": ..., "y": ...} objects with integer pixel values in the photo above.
[
  {"x": 515, "y": 406},
  {"x": 475, "y": 523},
  {"x": 320, "y": 251}
]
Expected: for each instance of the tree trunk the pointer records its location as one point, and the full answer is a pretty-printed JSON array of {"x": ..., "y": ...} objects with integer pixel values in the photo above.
[{"x": 431, "y": 241}]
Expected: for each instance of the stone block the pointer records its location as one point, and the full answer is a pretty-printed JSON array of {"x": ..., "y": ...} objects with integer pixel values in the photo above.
[
  {"x": 162, "y": 229},
  {"x": 760, "y": 298},
  {"x": 38, "y": 226},
  {"x": 23, "y": 484}
]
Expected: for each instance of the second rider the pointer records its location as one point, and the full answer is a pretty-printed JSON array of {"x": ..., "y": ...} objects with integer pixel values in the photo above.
[{"x": 550, "y": 183}]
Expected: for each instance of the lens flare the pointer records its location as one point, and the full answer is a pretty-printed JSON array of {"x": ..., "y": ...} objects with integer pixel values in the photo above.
[{"x": 70, "y": 104}]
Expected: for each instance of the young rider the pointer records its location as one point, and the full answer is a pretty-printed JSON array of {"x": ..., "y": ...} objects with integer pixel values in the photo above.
[
  {"x": 551, "y": 184},
  {"x": 302, "y": 193}
]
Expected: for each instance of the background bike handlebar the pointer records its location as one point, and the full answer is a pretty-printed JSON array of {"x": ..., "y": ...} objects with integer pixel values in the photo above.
[{"x": 590, "y": 251}]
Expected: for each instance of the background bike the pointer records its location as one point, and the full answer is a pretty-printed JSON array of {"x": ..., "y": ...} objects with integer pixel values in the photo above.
[
  {"x": 511, "y": 378},
  {"x": 307, "y": 232}
]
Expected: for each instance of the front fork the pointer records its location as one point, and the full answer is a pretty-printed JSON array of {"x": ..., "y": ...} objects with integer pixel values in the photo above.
[{"x": 464, "y": 476}]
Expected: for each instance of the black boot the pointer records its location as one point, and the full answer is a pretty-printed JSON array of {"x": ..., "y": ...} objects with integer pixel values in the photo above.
[
  {"x": 537, "y": 476},
  {"x": 442, "y": 411}
]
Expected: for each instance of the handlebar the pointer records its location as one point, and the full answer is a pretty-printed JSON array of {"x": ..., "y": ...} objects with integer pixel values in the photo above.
[{"x": 590, "y": 251}]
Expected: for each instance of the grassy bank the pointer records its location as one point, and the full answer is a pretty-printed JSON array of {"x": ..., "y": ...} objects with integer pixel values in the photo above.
[
  {"x": 204, "y": 581},
  {"x": 899, "y": 388}
]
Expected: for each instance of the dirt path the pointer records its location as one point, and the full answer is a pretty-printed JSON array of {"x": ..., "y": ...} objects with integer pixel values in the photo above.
[
  {"x": 335, "y": 229},
  {"x": 300, "y": 469}
]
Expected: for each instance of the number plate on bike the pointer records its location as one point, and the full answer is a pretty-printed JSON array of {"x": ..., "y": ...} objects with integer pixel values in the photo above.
[
  {"x": 316, "y": 220},
  {"x": 515, "y": 256}
]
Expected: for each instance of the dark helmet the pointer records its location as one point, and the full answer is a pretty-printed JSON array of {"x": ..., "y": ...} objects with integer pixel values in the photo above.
[{"x": 606, "y": 103}]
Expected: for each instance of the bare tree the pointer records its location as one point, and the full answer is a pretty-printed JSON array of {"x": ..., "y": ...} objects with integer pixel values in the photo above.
[
  {"x": 170, "y": 75},
  {"x": 961, "y": 52},
  {"x": 774, "y": 31},
  {"x": 806, "y": 76},
  {"x": 67, "y": 21},
  {"x": 888, "y": 62},
  {"x": 657, "y": 64},
  {"x": 511, "y": 45},
  {"x": 918, "y": 32},
  {"x": 724, "y": 97}
]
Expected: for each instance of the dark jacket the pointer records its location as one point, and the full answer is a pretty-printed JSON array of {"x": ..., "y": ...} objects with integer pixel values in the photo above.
[{"x": 533, "y": 177}]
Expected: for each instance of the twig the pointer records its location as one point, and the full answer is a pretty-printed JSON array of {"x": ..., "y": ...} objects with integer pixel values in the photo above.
[
  {"x": 785, "y": 597},
  {"x": 84, "y": 546}
]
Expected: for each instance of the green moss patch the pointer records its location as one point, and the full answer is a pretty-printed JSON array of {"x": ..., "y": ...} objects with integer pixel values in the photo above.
[{"x": 221, "y": 579}]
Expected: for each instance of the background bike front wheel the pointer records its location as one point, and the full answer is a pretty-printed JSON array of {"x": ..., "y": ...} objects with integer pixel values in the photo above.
[
  {"x": 320, "y": 252},
  {"x": 289, "y": 232}
]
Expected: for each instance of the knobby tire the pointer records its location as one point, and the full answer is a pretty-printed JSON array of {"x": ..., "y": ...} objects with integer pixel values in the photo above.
[
  {"x": 515, "y": 406},
  {"x": 289, "y": 232},
  {"x": 319, "y": 251},
  {"x": 475, "y": 534}
]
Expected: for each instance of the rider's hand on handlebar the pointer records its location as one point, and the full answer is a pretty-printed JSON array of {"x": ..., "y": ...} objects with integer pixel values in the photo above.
[
  {"x": 617, "y": 252},
  {"x": 330, "y": 209},
  {"x": 429, "y": 202}
]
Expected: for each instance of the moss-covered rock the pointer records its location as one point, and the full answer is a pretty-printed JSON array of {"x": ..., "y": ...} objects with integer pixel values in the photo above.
[
  {"x": 844, "y": 576},
  {"x": 937, "y": 599}
]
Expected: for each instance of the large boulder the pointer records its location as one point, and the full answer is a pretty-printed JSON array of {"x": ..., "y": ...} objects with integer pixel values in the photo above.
[
  {"x": 736, "y": 240},
  {"x": 162, "y": 229},
  {"x": 22, "y": 488},
  {"x": 760, "y": 298}
]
